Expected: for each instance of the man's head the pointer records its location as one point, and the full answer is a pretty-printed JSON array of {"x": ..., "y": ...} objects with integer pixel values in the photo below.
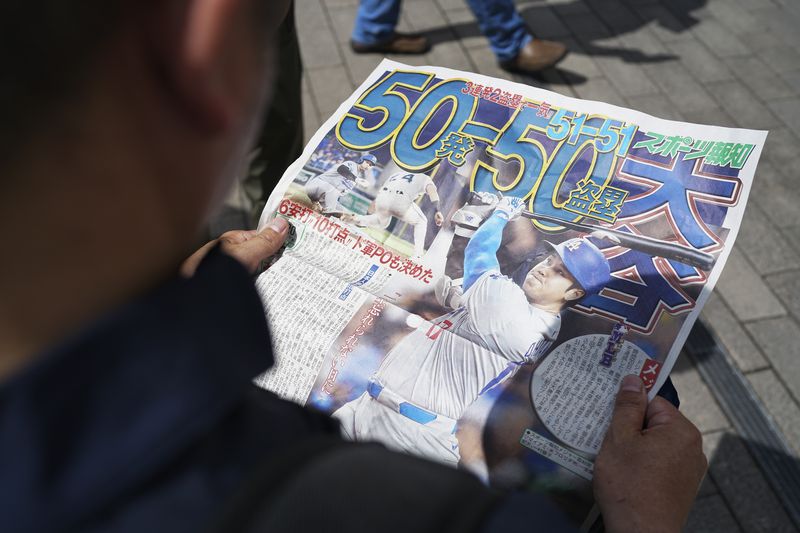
[
  {"x": 367, "y": 161},
  {"x": 569, "y": 272},
  {"x": 123, "y": 124},
  {"x": 549, "y": 284},
  {"x": 137, "y": 80},
  {"x": 47, "y": 48}
]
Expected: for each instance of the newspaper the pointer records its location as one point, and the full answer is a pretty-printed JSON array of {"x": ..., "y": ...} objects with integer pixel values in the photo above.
[{"x": 475, "y": 264}]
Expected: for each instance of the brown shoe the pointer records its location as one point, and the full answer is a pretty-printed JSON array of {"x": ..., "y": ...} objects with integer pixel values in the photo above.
[
  {"x": 398, "y": 43},
  {"x": 535, "y": 56}
]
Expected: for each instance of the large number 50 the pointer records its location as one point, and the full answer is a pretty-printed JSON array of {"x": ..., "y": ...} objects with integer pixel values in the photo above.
[
  {"x": 389, "y": 107},
  {"x": 514, "y": 144},
  {"x": 542, "y": 172},
  {"x": 452, "y": 109},
  {"x": 415, "y": 132}
]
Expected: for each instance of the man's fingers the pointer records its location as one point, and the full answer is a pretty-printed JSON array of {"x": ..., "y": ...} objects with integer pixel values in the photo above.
[
  {"x": 684, "y": 435},
  {"x": 271, "y": 238},
  {"x": 251, "y": 248},
  {"x": 629, "y": 407},
  {"x": 660, "y": 412},
  {"x": 189, "y": 266},
  {"x": 237, "y": 236},
  {"x": 262, "y": 245},
  {"x": 248, "y": 247}
]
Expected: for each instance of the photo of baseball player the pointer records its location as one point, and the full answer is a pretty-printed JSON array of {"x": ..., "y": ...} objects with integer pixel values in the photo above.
[
  {"x": 397, "y": 198},
  {"x": 326, "y": 188},
  {"x": 432, "y": 375}
]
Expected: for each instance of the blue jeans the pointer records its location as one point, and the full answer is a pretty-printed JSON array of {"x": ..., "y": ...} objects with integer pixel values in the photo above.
[{"x": 498, "y": 20}]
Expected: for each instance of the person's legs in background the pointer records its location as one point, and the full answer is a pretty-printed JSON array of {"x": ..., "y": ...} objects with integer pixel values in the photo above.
[
  {"x": 511, "y": 41},
  {"x": 502, "y": 25},
  {"x": 373, "y": 30},
  {"x": 375, "y": 21}
]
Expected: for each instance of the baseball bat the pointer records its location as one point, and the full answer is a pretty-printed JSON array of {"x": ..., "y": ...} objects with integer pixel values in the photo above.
[{"x": 648, "y": 245}]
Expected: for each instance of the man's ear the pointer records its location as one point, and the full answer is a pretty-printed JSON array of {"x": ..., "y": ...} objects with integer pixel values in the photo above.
[
  {"x": 210, "y": 58},
  {"x": 575, "y": 293}
]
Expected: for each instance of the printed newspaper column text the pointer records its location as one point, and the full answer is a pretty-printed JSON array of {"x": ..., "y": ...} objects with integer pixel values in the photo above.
[
  {"x": 299, "y": 299},
  {"x": 573, "y": 390}
]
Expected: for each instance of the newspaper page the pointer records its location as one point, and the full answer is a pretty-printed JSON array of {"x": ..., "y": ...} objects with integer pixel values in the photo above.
[{"x": 475, "y": 264}]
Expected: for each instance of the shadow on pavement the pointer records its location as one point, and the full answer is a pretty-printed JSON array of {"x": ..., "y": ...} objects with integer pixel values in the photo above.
[
  {"x": 756, "y": 502},
  {"x": 602, "y": 23}
]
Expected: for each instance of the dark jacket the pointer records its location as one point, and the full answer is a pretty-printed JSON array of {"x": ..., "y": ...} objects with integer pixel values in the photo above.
[{"x": 148, "y": 421}]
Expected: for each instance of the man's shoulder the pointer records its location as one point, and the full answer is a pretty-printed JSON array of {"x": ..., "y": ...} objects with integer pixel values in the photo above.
[
  {"x": 549, "y": 324},
  {"x": 495, "y": 280},
  {"x": 441, "y": 498},
  {"x": 495, "y": 289},
  {"x": 260, "y": 433}
]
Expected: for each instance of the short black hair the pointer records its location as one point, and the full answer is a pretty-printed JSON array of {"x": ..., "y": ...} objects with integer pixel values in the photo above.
[{"x": 46, "y": 49}]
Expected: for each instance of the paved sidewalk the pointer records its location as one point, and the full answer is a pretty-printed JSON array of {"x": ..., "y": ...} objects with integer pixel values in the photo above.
[{"x": 723, "y": 62}]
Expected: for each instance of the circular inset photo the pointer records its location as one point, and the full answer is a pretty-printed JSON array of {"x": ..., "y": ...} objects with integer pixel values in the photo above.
[{"x": 573, "y": 390}]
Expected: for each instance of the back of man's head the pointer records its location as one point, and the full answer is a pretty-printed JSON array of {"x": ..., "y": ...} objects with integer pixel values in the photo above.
[
  {"x": 47, "y": 47},
  {"x": 122, "y": 122}
]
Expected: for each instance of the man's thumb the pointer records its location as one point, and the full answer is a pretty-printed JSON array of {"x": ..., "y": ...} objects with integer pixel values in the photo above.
[
  {"x": 263, "y": 244},
  {"x": 629, "y": 407}
]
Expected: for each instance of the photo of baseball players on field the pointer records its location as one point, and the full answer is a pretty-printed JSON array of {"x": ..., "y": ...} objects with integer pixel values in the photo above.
[
  {"x": 531, "y": 256},
  {"x": 394, "y": 207}
]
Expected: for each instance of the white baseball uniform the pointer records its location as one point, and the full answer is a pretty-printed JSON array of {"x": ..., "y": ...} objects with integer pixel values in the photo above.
[
  {"x": 397, "y": 198},
  {"x": 327, "y": 187},
  {"x": 433, "y": 374}
]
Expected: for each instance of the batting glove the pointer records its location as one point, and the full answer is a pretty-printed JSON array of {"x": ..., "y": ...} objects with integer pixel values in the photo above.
[
  {"x": 600, "y": 234},
  {"x": 485, "y": 198},
  {"x": 510, "y": 207}
]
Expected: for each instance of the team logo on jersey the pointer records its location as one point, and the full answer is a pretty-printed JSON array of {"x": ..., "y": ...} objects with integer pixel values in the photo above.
[{"x": 537, "y": 349}]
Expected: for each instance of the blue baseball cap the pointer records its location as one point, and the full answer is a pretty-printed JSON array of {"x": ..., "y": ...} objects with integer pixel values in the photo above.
[
  {"x": 368, "y": 157},
  {"x": 585, "y": 262}
]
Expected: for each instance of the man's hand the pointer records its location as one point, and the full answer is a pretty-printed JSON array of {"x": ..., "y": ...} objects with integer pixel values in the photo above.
[
  {"x": 510, "y": 206},
  {"x": 250, "y": 248},
  {"x": 646, "y": 479},
  {"x": 483, "y": 198},
  {"x": 438, "y": 218}
]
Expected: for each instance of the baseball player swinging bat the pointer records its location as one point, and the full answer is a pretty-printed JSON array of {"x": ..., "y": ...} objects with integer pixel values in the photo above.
[{"x": 642, "y": 243}]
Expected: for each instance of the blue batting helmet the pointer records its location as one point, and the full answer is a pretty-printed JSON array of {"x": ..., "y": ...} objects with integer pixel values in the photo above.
[
  {"x": 585, "y": 262},
  {"x": 368, "y": 157}
]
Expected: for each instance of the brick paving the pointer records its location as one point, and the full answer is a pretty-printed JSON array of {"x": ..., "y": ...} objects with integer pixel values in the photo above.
[{"x": 723, "y": 62}]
